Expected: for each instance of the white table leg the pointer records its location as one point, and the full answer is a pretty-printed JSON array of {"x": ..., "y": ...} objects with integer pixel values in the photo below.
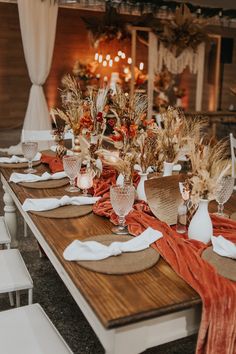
[{"x": 10, "y": 217}]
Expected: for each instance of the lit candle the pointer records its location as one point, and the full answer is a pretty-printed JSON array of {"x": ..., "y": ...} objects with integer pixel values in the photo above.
[
  {"x": 129, "y": 61},
  {"x": 105, "y": 79},
  {"x": 108, "y": 57},
  {"x": 84, "y": 180},
  {"x": 100, "y": 58},
  {"x": 110, "y": 62},
  {"x": 117, "y": 59},
  {"x": 104, "y": 63},
  {"x": 141, "y": 66},
  {"x": 96, "y": 56}
]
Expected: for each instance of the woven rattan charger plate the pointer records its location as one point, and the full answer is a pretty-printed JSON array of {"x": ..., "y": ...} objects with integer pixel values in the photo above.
[
  {"x": 224, "y": 266},
  {"x": 19, "y": 164},
  {"x": 65, "y": 212},
  {"x": 52, "y": 183},
  {"x": 125, "y": 263}
]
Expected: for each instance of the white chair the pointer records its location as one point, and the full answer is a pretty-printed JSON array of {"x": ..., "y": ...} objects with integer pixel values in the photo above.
[
  {"x": 28, "y": 330},
  {"x": 14, "y": 275},
  {"x": 5, "y": 238},
  {"x": 233, "y": 155}
]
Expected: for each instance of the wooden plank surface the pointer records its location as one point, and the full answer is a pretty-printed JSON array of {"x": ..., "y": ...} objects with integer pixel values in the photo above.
[{"x": 116, "y": 300}]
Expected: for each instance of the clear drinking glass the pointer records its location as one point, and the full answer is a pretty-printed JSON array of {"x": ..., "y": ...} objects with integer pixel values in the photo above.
[
  {"x": 223, "y": 193},
  {"x": 122, "y": 200},
  {"x": 71, "y": 165},
  {"x": 29, "y": 149}
]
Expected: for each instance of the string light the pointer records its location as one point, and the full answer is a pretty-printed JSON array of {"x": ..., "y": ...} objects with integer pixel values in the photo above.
[
  {"x": 104, "y": 63},
  {"x": 126, "y": 70},
  {"x": 129, "y": 61},
  {"x": 117, "y": 59},
  {"x": 108, "y": 57},
  {"x": 120, "y": 53},
  {"x": 96, "y": 56},
  {"x": 141, "y": 66},
  {"x": 110, "y": 62},
  {"x": 123, "y": 56},
  {"x": 100, "y": 58}
]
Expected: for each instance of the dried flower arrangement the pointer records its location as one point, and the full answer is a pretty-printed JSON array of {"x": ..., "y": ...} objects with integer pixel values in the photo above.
[
  {"x": 82, "y": 115},
  {"x": 183, "y": 31},
  {"x": 209, "y": 165},
  {"x": 171, "y": 137},
  {"x": 85, "y": 71}
]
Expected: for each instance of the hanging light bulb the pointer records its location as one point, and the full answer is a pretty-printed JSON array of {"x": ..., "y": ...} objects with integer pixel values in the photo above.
[
  {"x": 105, "y": 79},
  {"x": 100, "y": 58},
  {"x": 123, "y": 55},
  {"x": 126, "y": 70},
  {"x": 141, "y": 66},
  {"x": 117, "y": 59},
  {"x": 96, "y": 56},
  {"x": 129, "y": 61},
  {"x": 108, "y": 57},
  {"x": 110, "y": 62},
  {"x": 120, "y": 53},
  {"x": 104, "y": 63}
]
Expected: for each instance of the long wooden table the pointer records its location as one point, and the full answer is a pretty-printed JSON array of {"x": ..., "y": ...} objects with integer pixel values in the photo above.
[{"x": 129, "y": 313}]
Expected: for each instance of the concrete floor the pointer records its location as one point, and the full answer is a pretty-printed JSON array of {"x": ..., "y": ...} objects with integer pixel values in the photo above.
[{"x": 54, "y": 297}]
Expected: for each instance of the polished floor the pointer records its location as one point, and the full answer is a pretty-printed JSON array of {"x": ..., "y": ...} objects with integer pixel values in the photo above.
[{"x": 53, "y": 296}]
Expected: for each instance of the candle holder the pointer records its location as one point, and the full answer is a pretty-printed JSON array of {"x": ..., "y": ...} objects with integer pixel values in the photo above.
[{"x": 85, "y": 181}]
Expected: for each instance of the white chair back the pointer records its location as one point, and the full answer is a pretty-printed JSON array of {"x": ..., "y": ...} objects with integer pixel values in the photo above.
[{"x": 233, "y": 153}]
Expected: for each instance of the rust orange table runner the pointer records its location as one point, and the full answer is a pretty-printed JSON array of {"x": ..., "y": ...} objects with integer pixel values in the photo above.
[{"x": 217, "y": 333}]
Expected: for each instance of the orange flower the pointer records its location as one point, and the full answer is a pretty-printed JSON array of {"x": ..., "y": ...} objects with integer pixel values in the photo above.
[{"x": 133, "y": 130}]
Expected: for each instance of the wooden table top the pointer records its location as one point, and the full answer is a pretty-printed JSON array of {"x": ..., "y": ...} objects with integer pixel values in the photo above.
[{"x": 116, "y": 299}]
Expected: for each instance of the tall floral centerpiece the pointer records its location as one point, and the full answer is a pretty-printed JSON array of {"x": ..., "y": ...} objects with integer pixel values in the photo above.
[
  {"x": 130, "y": 131},
  {"x": 83, "y": 115},
  {"x": 209, "y": 165}
]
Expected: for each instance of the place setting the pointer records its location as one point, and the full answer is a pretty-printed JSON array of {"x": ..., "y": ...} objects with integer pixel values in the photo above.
[{"x": 31, "y": 159}]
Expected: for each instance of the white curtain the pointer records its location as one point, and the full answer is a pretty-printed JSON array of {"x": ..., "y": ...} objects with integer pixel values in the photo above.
[
  {"x": 38, "y": 21},
  {"x": 38, "y": 27}
]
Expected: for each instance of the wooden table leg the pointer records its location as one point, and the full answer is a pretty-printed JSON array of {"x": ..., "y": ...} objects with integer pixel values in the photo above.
[{"x": 10, "y": 217}]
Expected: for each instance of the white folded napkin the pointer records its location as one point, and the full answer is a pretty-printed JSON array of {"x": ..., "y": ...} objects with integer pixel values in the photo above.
[
  {"x": 53, "y": 203},
  {"x": 94, "y": 251},
  {"x": 17, "y": 159},
  {"x": 30, "y": 177},
  {"x": 223, "y": 247}
]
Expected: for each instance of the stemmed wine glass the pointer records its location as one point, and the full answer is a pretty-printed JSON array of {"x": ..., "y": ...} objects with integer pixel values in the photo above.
[
  {"x": 122, "y": 199},
  {"x": 71, "y": 165},
  {"x": 29, "y": 149},
  {"x": 223, "y": 193}
]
